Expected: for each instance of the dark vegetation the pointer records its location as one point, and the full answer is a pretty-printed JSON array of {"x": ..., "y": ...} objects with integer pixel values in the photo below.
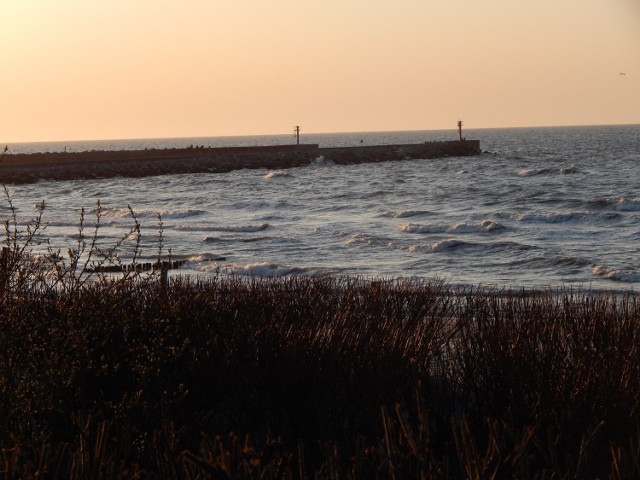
[
  {"x": 366, "y": 378},
  {"x": 130, "y": 377}
]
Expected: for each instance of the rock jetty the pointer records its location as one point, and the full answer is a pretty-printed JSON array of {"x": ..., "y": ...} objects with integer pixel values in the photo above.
[{"x": 29, "y": 168}]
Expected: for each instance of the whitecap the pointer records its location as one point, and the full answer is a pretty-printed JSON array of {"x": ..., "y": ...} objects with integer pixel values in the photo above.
[
  {"x": 620, "y": 275},
  {"x": 626, "y": 205},
  {"x": 405, "y": 213},
  {"x": 441, "y": 246},
  {"x": 548, "y": 217},
  {"x": 528, "y": 172},
  {"x": 264, "y": 269},
  {"x": 114, "y": 212},
  {"x": 276, "y": 174},
  {"x": 463, "y": 227},
  {"x": 413, "y": 228},
  {"x": 222, "y": 228},
  {"x": 321, "y": 162},
  {"x": 180, "y": 213},
  {"x": 362, "y": 239},
  {"x": 483, "y": 226},
  {"x": 446, "y": 245},
  {"x": 205, "y": 257},
  {"x": 125, "y": 212}
]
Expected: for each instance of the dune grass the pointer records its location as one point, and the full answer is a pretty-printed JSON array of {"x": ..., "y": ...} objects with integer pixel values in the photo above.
[{"x": 364, "y": 377}]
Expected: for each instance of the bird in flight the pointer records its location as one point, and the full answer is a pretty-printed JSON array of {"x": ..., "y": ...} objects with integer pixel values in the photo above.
[{"x": 622, "y": 73}]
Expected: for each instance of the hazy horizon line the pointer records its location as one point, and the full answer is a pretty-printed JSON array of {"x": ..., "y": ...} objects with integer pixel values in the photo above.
[{"x": 302, "y": 133}]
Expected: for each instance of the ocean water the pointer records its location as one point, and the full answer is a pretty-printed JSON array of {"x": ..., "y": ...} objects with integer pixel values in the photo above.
[{"x": 541, "y": 207}]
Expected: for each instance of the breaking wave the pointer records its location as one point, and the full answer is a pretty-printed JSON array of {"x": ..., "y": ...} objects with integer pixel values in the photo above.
[
  {"x": 626, "y": 205},
  {"x": 442, "y": 246},
  {"x": 484, "y": 226},
  {"x": 620, "y": 275},
  {"x": 165, "y": 214},
  {"x": 277, "y": 174},
  {"x": 205, "y": 257},
  {"x": 263, "y": 269},
  {"x": 223, "y": 228},
  {"x": 548, "y": 217},
  {"x": 530, "y": 172},
  {"x": 405, "y": 213},
  {"x": 321, "y": 162},
  {"x": 363, "y": 239}
]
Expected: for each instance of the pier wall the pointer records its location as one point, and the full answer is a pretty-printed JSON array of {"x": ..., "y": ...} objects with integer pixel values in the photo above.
[
  {"x": 29, "y": 168},
  {"x": 385, "y": 153}
]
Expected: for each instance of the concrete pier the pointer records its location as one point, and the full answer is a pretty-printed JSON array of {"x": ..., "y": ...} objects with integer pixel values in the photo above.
[{"x": 29, "y": 168}]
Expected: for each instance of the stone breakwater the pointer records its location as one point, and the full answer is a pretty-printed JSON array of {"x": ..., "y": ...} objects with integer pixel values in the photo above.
[{"x": 29, "y": 168}]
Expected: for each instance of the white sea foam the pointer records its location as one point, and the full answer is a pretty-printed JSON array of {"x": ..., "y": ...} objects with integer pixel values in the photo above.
[
  {"x": 548, "y": 217},
  {"x": 165, "y": 214},
  {"x": 114, "y": 212},
  {"x": 222, "y": 228},
  {"x": 263, "y": 269},
  {"x": 321, "y": 162},
  {"x": 441, "y": 246},
  {"x": 446, "y": 245},
  {"x": 529, "y": 172},
  {"x": 363, "y": 239},
  {"x": 620, "y": 275},
  {"x": 404, "y": 213},
  {"x": 205, "y": 257},
  {"x": 181, "y": 213},
  {"x": 463, "y": 227},
  {"x": 277, "y": 174},
  {"x": 626, "y": 205}
]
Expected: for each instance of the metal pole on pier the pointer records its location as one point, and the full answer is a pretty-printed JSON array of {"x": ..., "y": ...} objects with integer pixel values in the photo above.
[
  {"x": 460, "y": 129},
  {"x": 297, "y": 130}
]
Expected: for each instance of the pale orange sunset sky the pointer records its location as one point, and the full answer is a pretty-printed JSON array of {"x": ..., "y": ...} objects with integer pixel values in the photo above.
[{"x": 90, "y": 69}]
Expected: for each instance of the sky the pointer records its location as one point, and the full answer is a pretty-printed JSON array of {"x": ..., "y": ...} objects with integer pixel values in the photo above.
[{"x": 90, "y": 69}]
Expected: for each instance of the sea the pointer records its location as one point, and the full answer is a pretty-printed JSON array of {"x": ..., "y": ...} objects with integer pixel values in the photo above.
[{"x": 548, "y": 208}]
